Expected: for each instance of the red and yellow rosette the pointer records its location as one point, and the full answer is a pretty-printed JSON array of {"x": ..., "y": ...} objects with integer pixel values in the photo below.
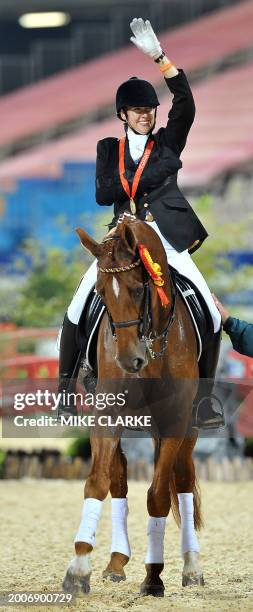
[{"x": 155, "y": 272}]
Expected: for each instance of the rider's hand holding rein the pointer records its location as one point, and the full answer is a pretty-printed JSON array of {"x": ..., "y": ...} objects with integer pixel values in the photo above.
[{"x": 146, "y": 41}]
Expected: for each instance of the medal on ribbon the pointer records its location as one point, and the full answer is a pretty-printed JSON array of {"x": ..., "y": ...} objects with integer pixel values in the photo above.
[
  {"x": 132, "y": 206},
  {"x": 142, "y": 163}
]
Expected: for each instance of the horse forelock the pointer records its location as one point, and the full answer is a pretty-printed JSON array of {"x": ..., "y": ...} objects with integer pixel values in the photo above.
[
  {"x": 120, "y": 247},
  {"x": 143, "y": 233}
]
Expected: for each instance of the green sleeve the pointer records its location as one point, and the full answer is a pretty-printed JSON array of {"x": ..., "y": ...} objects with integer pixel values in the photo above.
[{"x": 241, "y": 335}]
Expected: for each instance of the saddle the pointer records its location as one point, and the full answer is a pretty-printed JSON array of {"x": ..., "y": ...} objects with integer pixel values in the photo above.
[
  {"x": 88, "y": 327},
  {"x": 197, "y": 308},
  {"x": 94, "y": 308}
]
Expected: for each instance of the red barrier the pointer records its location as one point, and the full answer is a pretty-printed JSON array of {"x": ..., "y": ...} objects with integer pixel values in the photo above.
[{"x": 29, "y": 366}]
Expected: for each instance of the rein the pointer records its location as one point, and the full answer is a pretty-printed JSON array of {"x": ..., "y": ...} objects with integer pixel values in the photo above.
[{"x": 144, "y": 322}]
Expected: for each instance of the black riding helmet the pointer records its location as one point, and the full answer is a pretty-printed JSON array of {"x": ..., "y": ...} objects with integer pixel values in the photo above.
[{"x": 135, "y": 92}]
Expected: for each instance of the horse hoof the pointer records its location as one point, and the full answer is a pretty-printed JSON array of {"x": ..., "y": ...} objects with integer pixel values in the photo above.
[
  {"x": 69, "y": 584},
  {"x": 113, "y": 577},
  {"x": 156, "y": 590},
  {"x": 192, "y": 580},
  {"x": 75, "y": 584},
  {"x": 85, "y": 584}
]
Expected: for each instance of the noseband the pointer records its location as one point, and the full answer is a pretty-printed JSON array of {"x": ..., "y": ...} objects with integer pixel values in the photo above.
[{"x": 145, "y": 320}]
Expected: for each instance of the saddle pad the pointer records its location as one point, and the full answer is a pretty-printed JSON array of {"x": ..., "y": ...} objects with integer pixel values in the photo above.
[
  {"x": 197, "y": 308},
  {"x": 88, "y": 327}
]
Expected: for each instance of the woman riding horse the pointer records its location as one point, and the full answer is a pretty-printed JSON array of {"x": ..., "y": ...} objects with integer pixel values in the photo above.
[{"x": 138, "y": 173}]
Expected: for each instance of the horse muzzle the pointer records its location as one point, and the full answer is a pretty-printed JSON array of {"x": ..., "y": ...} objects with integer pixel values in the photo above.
[{"x": 132, "y": 363}]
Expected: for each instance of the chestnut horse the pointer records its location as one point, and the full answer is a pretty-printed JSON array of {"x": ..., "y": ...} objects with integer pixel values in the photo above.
[{"x": 142, "y": 337}]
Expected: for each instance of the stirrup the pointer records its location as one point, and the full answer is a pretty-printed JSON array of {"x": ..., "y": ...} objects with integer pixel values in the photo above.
[
  {"x": 66, "y": 411},
  {"x": 205, "y": 417}
]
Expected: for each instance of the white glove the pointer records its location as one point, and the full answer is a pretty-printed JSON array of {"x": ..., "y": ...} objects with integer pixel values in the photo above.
[{"x": 144, "y": 38}]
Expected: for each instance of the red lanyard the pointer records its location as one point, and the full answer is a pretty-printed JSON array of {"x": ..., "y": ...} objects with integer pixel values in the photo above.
[{"x": 131, "y": 192}]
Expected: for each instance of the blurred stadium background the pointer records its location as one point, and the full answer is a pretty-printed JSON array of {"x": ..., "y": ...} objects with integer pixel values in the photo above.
[
  {"x": 57, "y": 89},
  {"x": 58, "y": 77}
]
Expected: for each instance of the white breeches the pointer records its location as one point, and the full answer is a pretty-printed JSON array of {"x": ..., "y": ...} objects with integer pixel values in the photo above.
[{"x": 180, "y": 261}]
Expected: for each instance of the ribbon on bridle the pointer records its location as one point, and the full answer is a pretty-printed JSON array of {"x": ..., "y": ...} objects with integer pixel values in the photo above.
[{"x": 155, "y": 272}]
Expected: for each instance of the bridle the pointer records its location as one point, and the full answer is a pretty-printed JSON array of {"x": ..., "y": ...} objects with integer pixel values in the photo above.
[{"x": 144, "y": 322}]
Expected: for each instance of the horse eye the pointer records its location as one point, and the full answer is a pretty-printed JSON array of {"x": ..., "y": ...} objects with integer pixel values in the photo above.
[{"x": 137, "y": 292}]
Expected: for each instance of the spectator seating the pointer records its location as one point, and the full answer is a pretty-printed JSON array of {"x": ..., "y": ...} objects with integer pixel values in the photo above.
[
  {"x": 83, "y": 90},
  {"x": 48, "y": 210},
  {"x": 220, "y": 139},
  {"x": 60, "y": 190}
]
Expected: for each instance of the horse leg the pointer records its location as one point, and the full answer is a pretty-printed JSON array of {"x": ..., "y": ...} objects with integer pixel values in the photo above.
[
  {"x": 189, "y": 508},
  {"x": 95, "y": 491},
  {"x": 120, "y": 548},
  {"x": 158, "y": 504}
]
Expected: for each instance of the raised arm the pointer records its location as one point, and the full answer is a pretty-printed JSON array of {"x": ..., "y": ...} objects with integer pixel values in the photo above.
[{"x": 182, "y": 113}]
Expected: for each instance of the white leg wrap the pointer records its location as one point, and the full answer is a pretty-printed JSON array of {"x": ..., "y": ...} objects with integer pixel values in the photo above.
[
  {"x": 90, "y": 515},
  {"x": 155, "y": 533},
  {"x": 120, "y": 542},
  {"x": 189, "y": 542}
]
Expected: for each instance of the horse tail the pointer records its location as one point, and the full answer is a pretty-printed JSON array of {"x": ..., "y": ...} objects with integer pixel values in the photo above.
[
  {"x": 157, "y": 450},
  {"x": 174, "y": 498},
  {"x": 198, "y": 521}
]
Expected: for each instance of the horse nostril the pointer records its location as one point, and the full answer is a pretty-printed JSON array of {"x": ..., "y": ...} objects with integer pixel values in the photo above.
[{"x": 138, "y": 363}]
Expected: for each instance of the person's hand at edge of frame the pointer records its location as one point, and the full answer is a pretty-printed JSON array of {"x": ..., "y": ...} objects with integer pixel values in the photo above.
[
  {"x": 145, "y": 38},
  {"x": 223, "y": 311}
]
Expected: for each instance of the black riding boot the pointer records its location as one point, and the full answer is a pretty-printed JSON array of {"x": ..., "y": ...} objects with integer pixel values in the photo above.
[
  {"x": 207, "y": 408},
  {"x": 69, "y": 364}
]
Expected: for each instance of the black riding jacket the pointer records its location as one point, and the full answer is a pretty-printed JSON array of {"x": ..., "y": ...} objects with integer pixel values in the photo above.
[{"x": 157, "y": 191}]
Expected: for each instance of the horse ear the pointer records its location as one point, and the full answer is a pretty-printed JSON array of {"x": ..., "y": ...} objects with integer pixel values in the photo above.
[
  {"x": 129, "y": 238},
  {"x": 88, "y": 243}
]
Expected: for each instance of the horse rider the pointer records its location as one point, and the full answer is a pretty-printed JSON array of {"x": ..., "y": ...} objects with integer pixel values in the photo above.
[
  {"x": 149, "y": 191},
  {"x": 240, "y": 332}
]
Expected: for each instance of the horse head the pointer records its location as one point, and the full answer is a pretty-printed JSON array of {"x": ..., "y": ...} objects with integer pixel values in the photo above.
[{"x": 132, "y": 281}]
